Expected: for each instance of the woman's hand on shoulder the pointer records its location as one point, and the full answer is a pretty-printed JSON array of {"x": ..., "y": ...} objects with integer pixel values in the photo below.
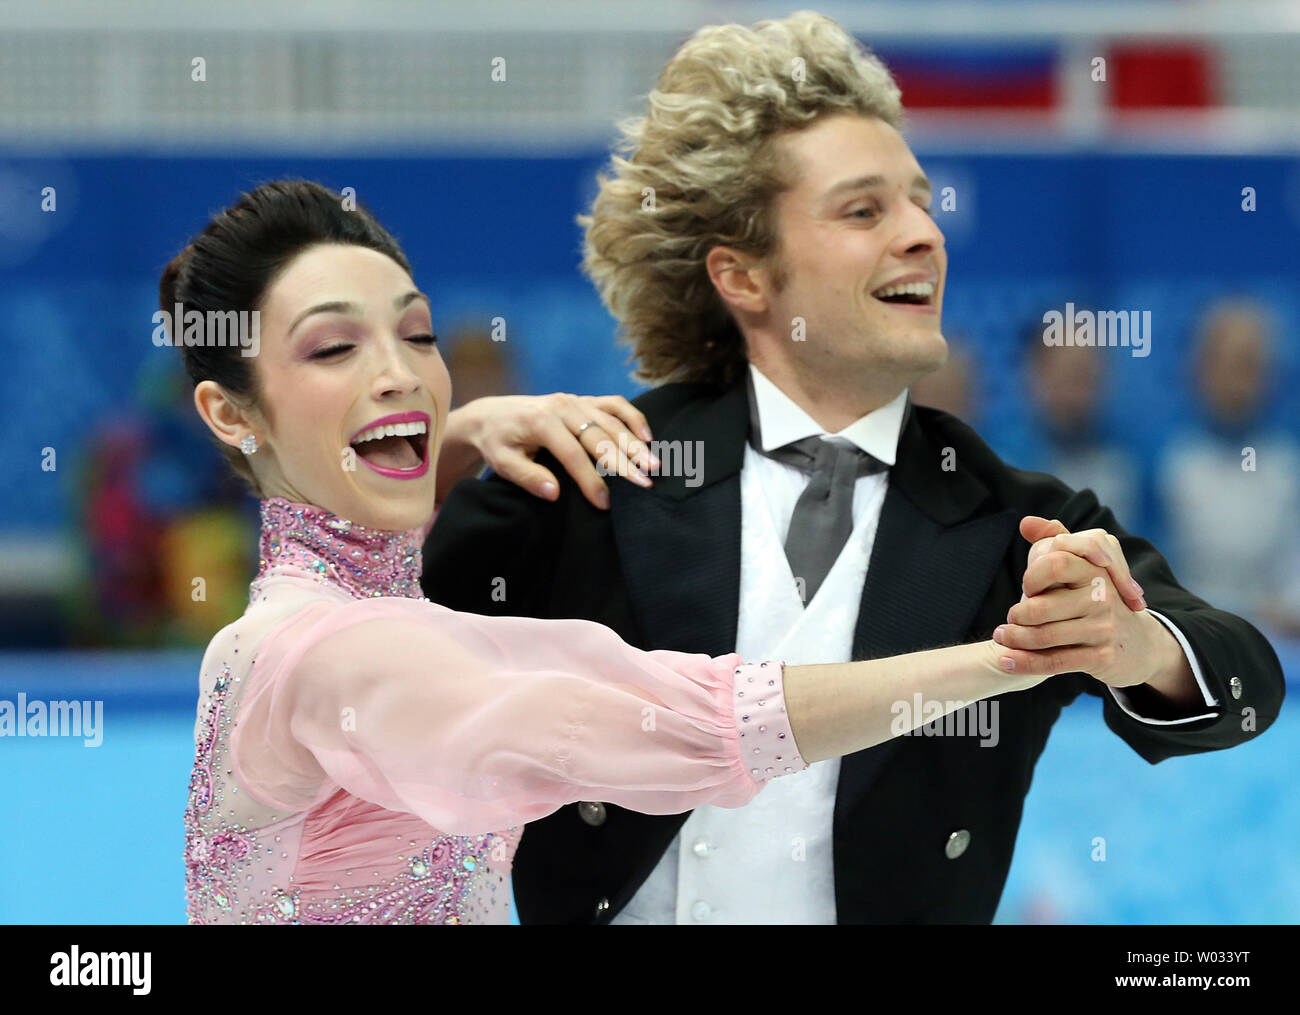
[{"x": 592, "y": 436}]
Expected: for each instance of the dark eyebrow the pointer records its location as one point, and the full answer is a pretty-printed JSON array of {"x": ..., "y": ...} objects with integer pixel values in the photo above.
[
  {"x": 919, "y": 182},
  {"x": 344, "y": 307}
]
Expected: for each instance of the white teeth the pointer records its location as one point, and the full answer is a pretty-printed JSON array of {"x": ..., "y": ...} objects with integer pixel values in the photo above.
[
  {"x": 391, "y": 430},
  {"x": 909, "y": 289}
]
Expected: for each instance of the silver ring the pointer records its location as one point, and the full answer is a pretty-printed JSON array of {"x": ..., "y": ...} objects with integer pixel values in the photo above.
[{"x": 590, "y": 422}]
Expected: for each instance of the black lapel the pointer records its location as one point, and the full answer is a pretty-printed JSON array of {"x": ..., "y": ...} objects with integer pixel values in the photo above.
[
  {"x": 930, "y": 570},
  {"x": 679, "y": 542}
]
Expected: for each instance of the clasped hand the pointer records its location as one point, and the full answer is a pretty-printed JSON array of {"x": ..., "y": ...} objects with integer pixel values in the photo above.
[{"x": 1081, "y": 609}]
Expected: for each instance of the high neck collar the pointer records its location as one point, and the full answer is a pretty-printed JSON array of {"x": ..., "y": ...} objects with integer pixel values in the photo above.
[{"x": 308, "y": 541}]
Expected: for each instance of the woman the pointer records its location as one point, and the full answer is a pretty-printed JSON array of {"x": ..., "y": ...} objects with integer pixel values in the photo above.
[{"x": 364, "y": 755}]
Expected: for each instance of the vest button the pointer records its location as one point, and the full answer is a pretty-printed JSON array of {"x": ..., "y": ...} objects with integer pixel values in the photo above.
[
  {"x": 1234, "y": 685},
  {"x": 592, "y": 812},
  {"x": 956, "y": 844}
]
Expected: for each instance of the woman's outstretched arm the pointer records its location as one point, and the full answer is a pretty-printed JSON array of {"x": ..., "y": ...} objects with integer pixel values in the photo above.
[
  {"x": 840, "y": 708},
  {"x": 482, "y": 723}
]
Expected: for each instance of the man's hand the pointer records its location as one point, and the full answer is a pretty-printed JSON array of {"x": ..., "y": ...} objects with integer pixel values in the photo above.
[
  {"x": 1096, "y": 545},
  {"x": 1073, "y": 612}
]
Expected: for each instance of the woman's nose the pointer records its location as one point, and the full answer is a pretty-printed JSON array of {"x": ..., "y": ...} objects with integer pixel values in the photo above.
[{"x": 395, "y": 373}]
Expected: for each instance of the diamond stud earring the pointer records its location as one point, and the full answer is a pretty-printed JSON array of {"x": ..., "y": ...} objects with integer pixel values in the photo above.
[{"x": 248, "y": 445}]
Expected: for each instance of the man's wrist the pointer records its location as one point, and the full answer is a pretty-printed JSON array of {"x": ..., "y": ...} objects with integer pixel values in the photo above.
[{"x": 1172, "y": 684}]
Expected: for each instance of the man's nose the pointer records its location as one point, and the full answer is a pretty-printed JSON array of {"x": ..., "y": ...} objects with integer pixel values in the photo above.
[{"x": 920, "y": 231}]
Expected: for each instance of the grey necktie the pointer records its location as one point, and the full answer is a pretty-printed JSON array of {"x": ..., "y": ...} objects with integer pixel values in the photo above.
[{"x": 823, "y": 514}]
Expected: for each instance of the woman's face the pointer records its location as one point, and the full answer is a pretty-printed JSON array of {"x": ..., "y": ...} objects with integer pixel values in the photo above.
[{"x": 345, "y": 346}]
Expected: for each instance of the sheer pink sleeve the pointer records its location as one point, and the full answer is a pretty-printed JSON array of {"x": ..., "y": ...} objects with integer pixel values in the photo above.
[{"x": 480, "y": 723}]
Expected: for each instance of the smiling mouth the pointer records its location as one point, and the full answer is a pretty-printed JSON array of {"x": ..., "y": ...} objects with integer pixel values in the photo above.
[
  {"x": 399, "y": 450},
  {"x": 915, "y": 294}
]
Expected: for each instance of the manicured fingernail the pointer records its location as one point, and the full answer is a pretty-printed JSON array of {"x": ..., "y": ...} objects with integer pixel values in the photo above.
[
  {"x": 999, "y": 634},
  {"x": 1136, "y": 587},
  {"x": 1009, "y": 615},
  {"x": 1007, "y": 663},
  {"x": 602, "y": 498},
  {"x": 1142, "y": 603},
  {"x": 645, "y": 433},
  {"x": 549, "y": 489}
]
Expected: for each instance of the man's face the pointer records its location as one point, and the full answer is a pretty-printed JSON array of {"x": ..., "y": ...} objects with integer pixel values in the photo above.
[{"x": 855, "y": 222}]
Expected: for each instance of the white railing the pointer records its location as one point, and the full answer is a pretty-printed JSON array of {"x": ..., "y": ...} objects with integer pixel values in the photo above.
[{"x": 335, "y": 75}]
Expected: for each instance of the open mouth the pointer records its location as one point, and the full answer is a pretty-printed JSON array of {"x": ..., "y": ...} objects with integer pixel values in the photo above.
[
  {"x": 914, "y": 294},
  {"x": 399, "y": 447}
]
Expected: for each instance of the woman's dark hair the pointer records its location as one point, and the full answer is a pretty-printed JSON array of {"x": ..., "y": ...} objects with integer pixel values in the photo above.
[{"x": 232, "y": 264}]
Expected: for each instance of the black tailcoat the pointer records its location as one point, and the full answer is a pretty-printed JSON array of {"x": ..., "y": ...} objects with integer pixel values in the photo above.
[{"x": 662, "y": 568}]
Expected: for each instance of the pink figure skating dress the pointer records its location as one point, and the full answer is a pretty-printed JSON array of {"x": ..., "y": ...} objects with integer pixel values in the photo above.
[{"x": 363, "y": 755}]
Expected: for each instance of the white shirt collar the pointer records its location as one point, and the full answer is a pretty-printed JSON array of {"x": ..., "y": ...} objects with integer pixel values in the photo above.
[{"x": 782, "y": 421}]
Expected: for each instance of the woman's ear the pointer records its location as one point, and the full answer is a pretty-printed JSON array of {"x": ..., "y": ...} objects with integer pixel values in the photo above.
[{"x": 227, "y": 421}]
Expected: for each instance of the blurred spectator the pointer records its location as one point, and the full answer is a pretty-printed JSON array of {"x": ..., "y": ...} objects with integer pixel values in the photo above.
[
  {"x": 1067, "y": 392},
  {"x": 121, "y": 604},
  {"x": 478, "y": 366},
  {"x": 211, "y": 544},
  {"x": 160, "y": 511},
  {"x": 1230, "y": 485}
]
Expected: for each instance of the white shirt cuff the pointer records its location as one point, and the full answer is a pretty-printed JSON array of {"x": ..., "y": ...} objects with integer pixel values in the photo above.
[{"x": 1121, "y": 698}]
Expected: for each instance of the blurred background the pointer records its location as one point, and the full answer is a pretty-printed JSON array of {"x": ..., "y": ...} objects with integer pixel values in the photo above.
[{"x": 1116, "y": 156}]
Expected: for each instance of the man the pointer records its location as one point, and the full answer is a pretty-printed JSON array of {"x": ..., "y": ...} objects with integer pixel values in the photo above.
[{"x": 769, "y": 253}]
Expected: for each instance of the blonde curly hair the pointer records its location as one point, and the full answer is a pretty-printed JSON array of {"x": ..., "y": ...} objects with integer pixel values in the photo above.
[{"x": 700, "y": 170}]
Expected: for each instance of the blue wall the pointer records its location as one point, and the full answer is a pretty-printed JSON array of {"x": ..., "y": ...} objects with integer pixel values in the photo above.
[{"x": 496, "y": 236}]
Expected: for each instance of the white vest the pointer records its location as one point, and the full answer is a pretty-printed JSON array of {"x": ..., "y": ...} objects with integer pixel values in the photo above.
[{"x": 770, "y": 861}]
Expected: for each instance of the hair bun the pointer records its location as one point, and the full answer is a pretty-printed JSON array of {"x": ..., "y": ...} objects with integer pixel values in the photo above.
[{"x": 167, "y": 283}]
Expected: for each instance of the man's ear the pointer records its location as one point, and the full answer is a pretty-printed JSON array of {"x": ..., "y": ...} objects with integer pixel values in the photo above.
[
  {"x": 223, "y": 417},
  {"x": 741, "y": 280}
]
